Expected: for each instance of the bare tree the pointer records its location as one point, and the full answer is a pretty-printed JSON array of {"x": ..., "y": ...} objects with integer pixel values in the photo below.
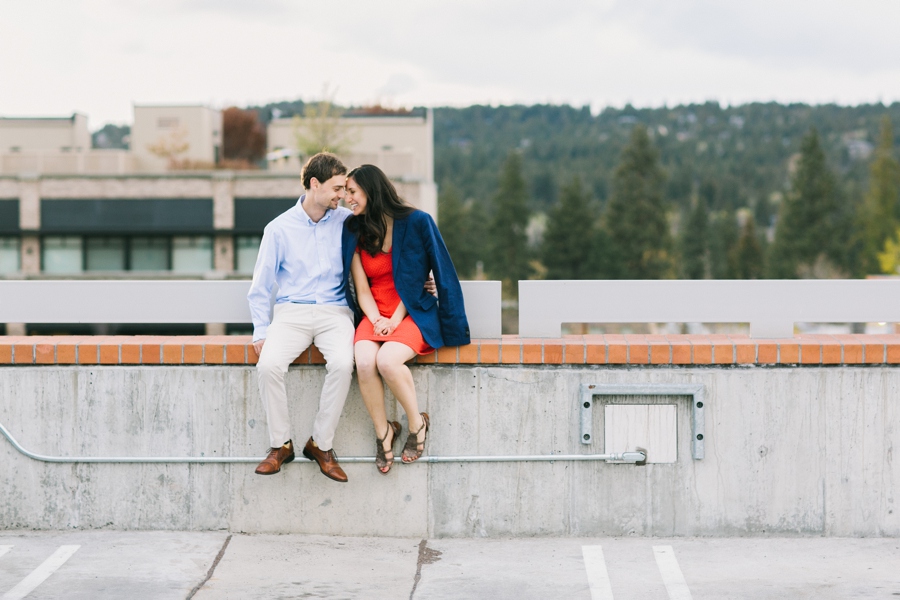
[{"x": 321, "y": 129}]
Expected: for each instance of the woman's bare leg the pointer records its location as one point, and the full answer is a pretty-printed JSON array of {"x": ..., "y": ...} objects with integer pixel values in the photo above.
[
  {"x": 391, "y": 362},
  {"x": 370, "y": 384}
]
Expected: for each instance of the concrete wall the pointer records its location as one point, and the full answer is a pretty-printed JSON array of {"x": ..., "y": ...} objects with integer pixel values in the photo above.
[
  {"x": 45, "y": 134},
  {"x": 789, "y": 450}
]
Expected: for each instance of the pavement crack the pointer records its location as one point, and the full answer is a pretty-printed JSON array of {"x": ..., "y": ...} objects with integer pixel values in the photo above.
[
  {"x": 427, "y": 556},
  {"x": 212, "y": 569}
]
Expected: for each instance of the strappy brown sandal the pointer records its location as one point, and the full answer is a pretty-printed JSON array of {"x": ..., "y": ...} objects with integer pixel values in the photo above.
[
  {"x": 381, "y": 459},
  {"x": 413, "y": 449}
]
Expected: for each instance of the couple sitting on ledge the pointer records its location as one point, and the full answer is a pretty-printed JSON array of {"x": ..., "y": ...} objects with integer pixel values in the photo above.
[{"x": 310, "y": 252}]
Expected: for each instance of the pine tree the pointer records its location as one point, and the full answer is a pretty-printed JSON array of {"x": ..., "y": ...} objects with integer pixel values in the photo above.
[
  {"x": 809, "y": 237},
  {"x": 881, "y": 209},
  {"x": 748, "y": 255},
  {"x": 723, "y": 239},
  {"x": 508, "y": 260},
  {"x": 569, "y": 237},
  {"x": 453, "y": 221},
  {"x": 694, "y": 242},
  {"x": 636, "y": 215}
]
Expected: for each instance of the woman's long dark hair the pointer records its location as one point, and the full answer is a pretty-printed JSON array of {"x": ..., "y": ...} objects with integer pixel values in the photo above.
[{"x": 382, "y": 201}]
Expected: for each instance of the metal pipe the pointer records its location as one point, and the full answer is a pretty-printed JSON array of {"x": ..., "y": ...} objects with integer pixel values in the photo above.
[{"x": 630, "y": 457}]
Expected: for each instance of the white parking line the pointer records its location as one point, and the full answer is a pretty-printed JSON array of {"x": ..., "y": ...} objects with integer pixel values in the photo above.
[
  {"x": 5, "y": 549},
  {"x": 598, "y": 577},
  {"x": 39, "y": 575},
  {"x": 672, "y": 577}
]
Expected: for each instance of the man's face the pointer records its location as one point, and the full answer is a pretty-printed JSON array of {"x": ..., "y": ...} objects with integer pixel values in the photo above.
[{"x": 327, "y": 194}]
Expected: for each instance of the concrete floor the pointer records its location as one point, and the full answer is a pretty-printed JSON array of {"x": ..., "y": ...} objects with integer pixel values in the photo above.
[{"x": 151, "y": 565}]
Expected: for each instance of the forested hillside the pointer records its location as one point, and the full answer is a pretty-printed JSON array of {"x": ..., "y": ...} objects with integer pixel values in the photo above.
[{"x": 695, "y": 191}]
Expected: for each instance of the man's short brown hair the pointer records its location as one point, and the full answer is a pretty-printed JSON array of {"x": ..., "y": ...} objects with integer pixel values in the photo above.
[{"x": 323, "y": 166}]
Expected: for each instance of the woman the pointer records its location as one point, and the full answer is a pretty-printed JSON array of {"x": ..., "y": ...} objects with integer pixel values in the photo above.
[{"x": 393, "y": 248}]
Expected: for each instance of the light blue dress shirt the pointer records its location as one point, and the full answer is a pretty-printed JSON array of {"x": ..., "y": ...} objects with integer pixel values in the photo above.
[{"x": 302, "y": 258}]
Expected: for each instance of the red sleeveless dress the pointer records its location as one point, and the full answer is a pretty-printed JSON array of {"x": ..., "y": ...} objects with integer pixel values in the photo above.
[{"x": 380, "y": 273}]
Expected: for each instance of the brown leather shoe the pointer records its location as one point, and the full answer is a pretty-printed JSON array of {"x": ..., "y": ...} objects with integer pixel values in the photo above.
[
  {"x": 276, "y": 458},
  {"x": 328, "y": 463}
]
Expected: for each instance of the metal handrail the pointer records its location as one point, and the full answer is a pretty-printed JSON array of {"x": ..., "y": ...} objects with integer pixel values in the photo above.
[{"x": 626, "y": 457}]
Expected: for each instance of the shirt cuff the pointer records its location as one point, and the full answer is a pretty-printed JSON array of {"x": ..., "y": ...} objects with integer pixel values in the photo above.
[{"x": 259, "y": 332}]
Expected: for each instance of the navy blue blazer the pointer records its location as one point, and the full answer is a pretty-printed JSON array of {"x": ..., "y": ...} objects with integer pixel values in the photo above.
[{"x": 418, "y": 248}]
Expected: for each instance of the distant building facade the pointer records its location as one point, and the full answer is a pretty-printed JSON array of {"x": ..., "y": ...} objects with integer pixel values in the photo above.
[{"x": 67, "y": 213}]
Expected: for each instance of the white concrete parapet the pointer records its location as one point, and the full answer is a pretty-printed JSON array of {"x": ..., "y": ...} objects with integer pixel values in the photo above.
[
  {"x": 770, "y": 306},
  {"x": 107, "y": 301}
]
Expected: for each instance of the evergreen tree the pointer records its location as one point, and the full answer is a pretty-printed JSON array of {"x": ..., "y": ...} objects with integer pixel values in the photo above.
[
  {"x": 569, "y": 237},
  {"x": 508, "y": 260},
  {"x": 694, "y": 242},
  {"x": 809, "y": 238},
  {"x": 455, "y": 226},
  {"x": 881, "y": 210},
  {"x": 748, "y": 253},
  {"x": 724, "y": 237},
  {"x": 636, "y": 215}
]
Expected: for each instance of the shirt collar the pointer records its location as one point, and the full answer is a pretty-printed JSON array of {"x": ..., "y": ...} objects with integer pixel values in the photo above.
[{"x": 304, "y": 214}]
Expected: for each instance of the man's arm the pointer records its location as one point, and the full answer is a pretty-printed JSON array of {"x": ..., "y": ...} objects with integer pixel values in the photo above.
[{"x": 261, "y": 288}]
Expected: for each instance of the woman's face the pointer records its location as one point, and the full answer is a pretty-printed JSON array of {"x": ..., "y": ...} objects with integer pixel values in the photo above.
[{"x": 356, "y": 197}]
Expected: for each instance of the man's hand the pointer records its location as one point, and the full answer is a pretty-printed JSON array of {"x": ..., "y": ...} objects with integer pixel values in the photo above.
[
  {"x": 258, "y": 345},
  {"x": 430, "y": 287}
]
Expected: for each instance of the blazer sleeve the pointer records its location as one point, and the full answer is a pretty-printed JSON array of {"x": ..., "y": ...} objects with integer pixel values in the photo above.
[{"x": 451, "y": 306}]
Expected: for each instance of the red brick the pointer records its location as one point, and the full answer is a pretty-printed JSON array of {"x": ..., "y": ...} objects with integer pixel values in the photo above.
[
  {"x": 6, "y": 352},
  {"x": 303, "y": 359},
  {"x": 109, "y": 350},
  {"x": 193, "y": 351},
  {"x": 553, "y": 352},
  {"x": 701, "y": 349},
  {"x": 851, "y": 348},
  {"x": 45, "y": 352},
  {"x": 788, "y": 353},
  {"x": 236, "y": 352},
  {"x": 23, "y": 353},
  {"x": 468, "y": 354},
  {"x": 131, "y": 351},
  {"x": 722, "y": 349},
  {"x": 767, "y": 352},
  {"x": 510, "y": 350},
  {"x": 810, "y": 352},
  {"x": 447, "y": 355},
  {"x": 88, "y": 351},
  {"x": 681, "y": 350},
  {"x": 638, "y": 349},
  {"x": 597, "y": 352},
  {"x": 315, "y": 356},
  {"x": 173, "y": 352},
  {"x": 213, "y": 353},
  {"x": 532, "y": 351},
  {"x": 893, "y": 351},
  {"x": 873, "y": 353},
  {"x": 489, "y": 352},
  {"x": 574, "y": 350},
  {"x": 616, "y": 349},
  {"x": 660, "y": 351}
]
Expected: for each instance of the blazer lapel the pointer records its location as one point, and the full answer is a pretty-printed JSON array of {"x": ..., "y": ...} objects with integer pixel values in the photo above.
[{"x": 397, "y": 242}]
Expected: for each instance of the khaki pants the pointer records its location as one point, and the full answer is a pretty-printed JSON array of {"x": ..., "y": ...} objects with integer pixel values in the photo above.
[{"x": 294, "y": 327}]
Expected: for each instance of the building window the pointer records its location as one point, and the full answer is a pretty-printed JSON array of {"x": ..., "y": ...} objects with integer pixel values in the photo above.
[
  {"x": 246, "y": 247},
  {"x": 192, "y": 254},
  {"x": 62, "y": 254},
  {"x": 149, "y": 254},
  {"x": 104, "y": 254},
  {"x": 167, "y": 122},
  {"x": 9, "y": 255}
]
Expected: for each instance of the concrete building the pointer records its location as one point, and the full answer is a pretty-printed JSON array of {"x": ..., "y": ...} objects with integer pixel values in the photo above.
[
  {"x": 401, "y": 143},
  {"x": 167, "y": 137}
]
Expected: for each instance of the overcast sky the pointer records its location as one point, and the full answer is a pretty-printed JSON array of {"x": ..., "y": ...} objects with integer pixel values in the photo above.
[{"x": 99, "y": 57}]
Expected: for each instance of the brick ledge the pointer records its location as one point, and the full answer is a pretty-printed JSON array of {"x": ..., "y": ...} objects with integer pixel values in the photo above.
[{"x": 855, "y": 349}]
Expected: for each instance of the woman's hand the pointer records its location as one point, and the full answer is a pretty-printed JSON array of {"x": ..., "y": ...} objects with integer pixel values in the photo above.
[{"x": 382, "y": 326}]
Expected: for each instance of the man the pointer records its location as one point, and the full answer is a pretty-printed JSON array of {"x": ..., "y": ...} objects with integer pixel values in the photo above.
[{"x": 301, "y": 253}]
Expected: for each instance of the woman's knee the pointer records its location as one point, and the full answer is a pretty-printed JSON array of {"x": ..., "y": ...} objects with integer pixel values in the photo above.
[
  {"x": 365, "y": 366},
  {"x": 390, "y": 366}
]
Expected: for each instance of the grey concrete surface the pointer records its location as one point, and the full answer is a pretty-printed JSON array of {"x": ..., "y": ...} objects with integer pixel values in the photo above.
[
  {"x": 163, "y": 565},
  {"x": 789, "y": 451},
  {"x": 138, "y": 566}
]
